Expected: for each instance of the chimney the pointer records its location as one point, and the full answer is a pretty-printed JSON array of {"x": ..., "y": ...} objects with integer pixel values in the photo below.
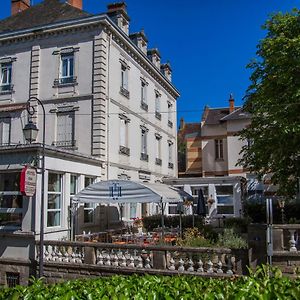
[
  {"x": 118, "y": 13},
  {"x": 231, "y": 103},
  {"x": 166, "y": 70},
  {"x": 76, "y": 3},
  {"x": 140, "y": 39},
  {"x": 154, "y": 56},
  {"x": 18, "y": 6},
  {"x": 182, "y": 123}
]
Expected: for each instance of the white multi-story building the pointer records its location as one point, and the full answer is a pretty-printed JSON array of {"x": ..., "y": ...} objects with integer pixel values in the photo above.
[{"x": 110, "y": 110}]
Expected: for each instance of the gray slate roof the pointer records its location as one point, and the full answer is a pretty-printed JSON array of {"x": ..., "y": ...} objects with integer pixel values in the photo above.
[
  {"x": 238, "y": 114},
  {"x": 47, "y": 12}
]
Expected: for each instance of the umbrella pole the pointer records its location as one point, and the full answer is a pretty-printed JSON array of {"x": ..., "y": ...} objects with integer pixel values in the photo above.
[
  {"x": 193, "y": 215},
  {"x": 180, "y": 224}
]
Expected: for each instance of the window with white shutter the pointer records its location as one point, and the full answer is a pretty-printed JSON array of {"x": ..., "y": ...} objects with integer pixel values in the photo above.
[
  {"x": 65, "y": 129},
  {"x": 5, "y": 77},
  {"x": 5, "y": 131}
]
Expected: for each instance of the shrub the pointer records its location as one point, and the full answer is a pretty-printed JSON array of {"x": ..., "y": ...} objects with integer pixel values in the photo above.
[
  {"x": 239, "y": 224},
  {"x": 229, "y": 239},
  {"x": 192, "y": 237},
  {"x": 256, "y": 286}
]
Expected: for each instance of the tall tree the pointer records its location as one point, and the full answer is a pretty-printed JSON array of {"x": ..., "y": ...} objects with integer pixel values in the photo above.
[{"x": 273, "y": 99}]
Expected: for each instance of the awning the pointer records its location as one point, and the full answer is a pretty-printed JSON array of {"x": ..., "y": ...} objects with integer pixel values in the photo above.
[{"x": 125, "y": 191}]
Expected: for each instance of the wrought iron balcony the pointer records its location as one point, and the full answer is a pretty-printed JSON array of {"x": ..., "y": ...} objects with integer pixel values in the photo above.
[
  {"x": 144, "y": 156},
  {"x": 124, "y": 92},
  {"x": 124, "y": 150},
  {"x": 71, "y": 80},
  {"x": 6, "y": 88},
  {"x": 170, "y": 123},
  {"x": 158, "y": 115},
  {"x": 64, "y": 144},
  {"x": 144, "y": 106},
  {"x": 158, "y": 161},
  {"x": 171, "y": 165}
]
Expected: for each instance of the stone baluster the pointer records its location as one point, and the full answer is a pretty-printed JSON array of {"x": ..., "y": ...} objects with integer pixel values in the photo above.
[
  {"x": 292, "y": 240},
  {"x": 210, "y": 267},
  {"x": 65, "y": 254},
  {"x": 46, "y": 253},
  {"x": 191, "y": 265},
  {"x": 54, "y": 253},
  {"x": 229, "y": 265},
  {"x": 100, "y": 258},
  {"x": 140, "y": 262},
  {"x": 59, "y": 255},
  {"x": 107, "y": 259},
  {"x": 73, "y": 255},
  {"x": 181, "y": 265},
  {"x": 172, "y": 264},
  {"x": 79, "y": 255},
  {"x": 219, "y": 266},
  {"x": 200, "y": 266},
  {"x": 147, "y": 262},
  {"x": 115, "y": 260},
  {"x": 122, "y": 260},
  {"x": 131, "y": 261}
]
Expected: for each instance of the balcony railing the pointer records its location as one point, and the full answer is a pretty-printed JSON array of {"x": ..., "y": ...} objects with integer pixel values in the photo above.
[
  {"x": 170, "y": 124},
  {"x": 124, "y": 150},
  {"x": 71, "y": 80},
  {"x": 171, "y": 165},
  {"x": 158, "y": 161},
  {"x": 153, "y": 259},
  {"x": 64, "y": 144},
  {"x": 124, "y": 92},
  {"x": 158, "y": 115},
  {"x": 144, "y": 156},
  {"x": 144, "y": 106},
  {"x": 6, "y": 88}
]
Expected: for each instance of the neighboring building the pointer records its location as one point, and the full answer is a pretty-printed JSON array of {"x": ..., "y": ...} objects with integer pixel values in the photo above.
[
  {"x": 214, "y": 148},
  {"x": 104, "y": 94}
]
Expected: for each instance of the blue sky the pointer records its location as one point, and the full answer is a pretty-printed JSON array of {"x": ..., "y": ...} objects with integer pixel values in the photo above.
[{"x": 208, "y": 43}]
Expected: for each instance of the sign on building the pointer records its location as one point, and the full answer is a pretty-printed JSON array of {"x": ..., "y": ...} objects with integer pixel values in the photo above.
[{"x": 28, "y": 181}]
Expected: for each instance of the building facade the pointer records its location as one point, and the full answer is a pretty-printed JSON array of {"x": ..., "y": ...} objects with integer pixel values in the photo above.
[
  {"x": 213, "y": 149},
  {"x": 110, "y": 110}
]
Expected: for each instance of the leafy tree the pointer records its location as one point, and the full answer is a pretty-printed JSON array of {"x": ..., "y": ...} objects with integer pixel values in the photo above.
[{"x": 273, "y": 99}]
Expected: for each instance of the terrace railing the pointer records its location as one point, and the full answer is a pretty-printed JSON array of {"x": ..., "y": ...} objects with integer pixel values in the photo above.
[{"x": 114, "y": 258}]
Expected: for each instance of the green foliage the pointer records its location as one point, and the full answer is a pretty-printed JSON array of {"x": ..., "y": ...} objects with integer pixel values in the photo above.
[
  {"x": 239, "y": 224},
  {"x": 257, "y": 212},
  {"x": 273, "y": 99},
  {"x": 229, "y": 239},
  {"x": 193, "y": 238},
  {"x": 259, "y": 285}
]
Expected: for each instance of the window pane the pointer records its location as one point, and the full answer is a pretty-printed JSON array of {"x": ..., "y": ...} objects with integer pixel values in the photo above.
[
  {"x": 224, "y": 190},
  {"x": 71, "y": 67},
  {"x": 88, "y": 216},
  {"x": 54, "y": 182},
  {"x": 53, "y": 218},
  {"x": 10, "y": 219},
  {"x": 225, "y": 210},
  {"x": 10, "y": 181},
  {"x": 54, "y": 201},
  {"x": 133, "y": 210},
  {"x": 225, "y": 199},
  {"x": 73, "y": 184},
  {"x": 11, "y": 201},
  {"x": 88, "y": 181}
]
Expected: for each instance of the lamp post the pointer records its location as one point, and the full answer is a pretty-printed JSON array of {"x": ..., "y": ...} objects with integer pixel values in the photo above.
[{"x": 30, "y": 132}]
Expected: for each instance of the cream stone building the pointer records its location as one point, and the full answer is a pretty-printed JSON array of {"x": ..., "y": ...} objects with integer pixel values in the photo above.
[{"x": 110, "y": 111}]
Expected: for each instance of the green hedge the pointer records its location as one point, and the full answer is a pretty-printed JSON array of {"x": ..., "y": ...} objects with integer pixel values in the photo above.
[{"x": 256, "y": 286}]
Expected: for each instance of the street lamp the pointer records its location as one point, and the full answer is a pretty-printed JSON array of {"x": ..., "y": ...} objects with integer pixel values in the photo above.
[{"x": 30, "y": 133}]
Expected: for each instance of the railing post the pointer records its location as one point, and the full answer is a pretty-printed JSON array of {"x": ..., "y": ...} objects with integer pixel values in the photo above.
[{"x": 89, "y": 256}]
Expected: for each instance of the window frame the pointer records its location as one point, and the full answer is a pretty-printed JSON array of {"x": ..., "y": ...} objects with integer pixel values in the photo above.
[
  {"x": 89, "y": 208},
  {"x": 69, "y": 77},
  {"x": 6, "y": 86},
  {"x": 219, "y": 149},
  {"x": 12, "y": 210},
  {"x": 60, "y": 209},
  {"x": 65, "y": 142},
  {"x": 2, "y": 122}
]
